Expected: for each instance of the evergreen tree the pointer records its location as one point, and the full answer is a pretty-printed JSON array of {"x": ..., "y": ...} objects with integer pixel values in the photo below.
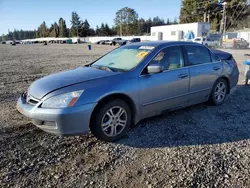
[
  {"x": 85, "y": 30},
  {"x": 76, "y": 24},
  {"x": 43, "y": 30},
  {"x": 127, "y": 21},
  {"x": 62, "y": 28},
  {"x": 168, "y": 22},
  {"x": 158, "y": 21},
  {"x": 175, "y": 21},
  {"x": 54, "y": 30},
  {"x": 107, "y": 30},
  {"x": 15, "y": 36},
  {"x": 4, "y": 37},
  {"x": 198, "y": 11},
  {"x": 97, "y": 31}
]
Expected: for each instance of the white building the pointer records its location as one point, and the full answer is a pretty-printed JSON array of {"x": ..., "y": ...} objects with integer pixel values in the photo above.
[
  {"x": 178, "y": 32},
  {"x": 244, "y": 33}
]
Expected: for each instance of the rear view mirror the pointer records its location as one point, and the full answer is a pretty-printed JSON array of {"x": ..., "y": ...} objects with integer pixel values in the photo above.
[{"x": 155, "y": 68}]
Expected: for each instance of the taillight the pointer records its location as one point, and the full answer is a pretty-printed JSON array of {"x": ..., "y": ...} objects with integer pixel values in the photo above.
[{"x": 235, "y": 63}]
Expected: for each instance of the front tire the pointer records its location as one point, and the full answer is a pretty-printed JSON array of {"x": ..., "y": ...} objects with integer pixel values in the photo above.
[
  {"x": 111, "y": 121},
  {"x": 219, "y": 92}
]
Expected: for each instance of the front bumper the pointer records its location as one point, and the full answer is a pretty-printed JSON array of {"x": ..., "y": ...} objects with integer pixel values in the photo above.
[{"x": 65, "y": 121}]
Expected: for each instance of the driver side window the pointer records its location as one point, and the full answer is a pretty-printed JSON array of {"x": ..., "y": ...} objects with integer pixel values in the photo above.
[{"x": 170, "y": 58}]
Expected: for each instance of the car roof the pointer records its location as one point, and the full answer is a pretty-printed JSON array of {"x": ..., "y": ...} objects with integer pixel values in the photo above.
[{"x": 163, "y": 43}]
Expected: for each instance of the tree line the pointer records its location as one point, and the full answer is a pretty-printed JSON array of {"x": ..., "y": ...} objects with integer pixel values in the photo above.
[
  {"x": 237, "y": 13},
  {"x": 126, "y": 22}
]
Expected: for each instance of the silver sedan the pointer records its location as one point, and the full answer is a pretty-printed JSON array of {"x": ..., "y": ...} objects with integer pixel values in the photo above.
[{"x": 126, "y": 85}]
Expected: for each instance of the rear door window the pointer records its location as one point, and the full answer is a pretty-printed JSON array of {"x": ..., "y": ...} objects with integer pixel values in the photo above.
[
  {"x": 214, "y": 57},
  {"x": 197, "y": 55}
]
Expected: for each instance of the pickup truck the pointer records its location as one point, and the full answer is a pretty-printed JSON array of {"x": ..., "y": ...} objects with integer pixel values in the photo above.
[
  {"x": 116, "y": 41},
  {"x": 124, "y": 42},
  {"x": 235, "y": 43},
  {"x": 205, "y": 41}
]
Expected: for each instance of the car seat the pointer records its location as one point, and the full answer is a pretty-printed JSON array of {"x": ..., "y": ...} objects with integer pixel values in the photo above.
[{"x": 177, "y": 63}]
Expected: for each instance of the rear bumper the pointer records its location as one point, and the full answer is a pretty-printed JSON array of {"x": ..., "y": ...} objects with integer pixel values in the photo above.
[
  {"x": 234, "y": 78},
  {"x": 66, "y": 121}
]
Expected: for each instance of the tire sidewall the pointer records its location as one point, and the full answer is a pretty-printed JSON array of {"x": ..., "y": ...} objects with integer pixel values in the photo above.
[
  {"x": 213, "y": 100},
  {"x": 96, "y": 127}
]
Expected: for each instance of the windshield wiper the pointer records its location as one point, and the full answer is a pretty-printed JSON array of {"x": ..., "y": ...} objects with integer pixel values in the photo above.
[
  {"x": 103, "y": 68},
  {"x": 108, "y": 68}
]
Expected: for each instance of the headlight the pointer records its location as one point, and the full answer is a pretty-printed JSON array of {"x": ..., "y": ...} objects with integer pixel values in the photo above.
[{"x": 63, "y": 100}]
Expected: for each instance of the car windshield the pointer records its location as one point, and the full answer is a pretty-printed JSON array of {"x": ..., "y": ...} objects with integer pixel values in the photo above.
[{"x": 124, "y": 58}]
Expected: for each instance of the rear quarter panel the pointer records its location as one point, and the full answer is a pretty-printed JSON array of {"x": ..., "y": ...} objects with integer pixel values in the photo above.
[{"x": 231, "y": 72}]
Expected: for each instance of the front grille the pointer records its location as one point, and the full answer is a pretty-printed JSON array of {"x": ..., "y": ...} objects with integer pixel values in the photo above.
[
  {"x": 31, "y": 100},
  {"x": 44, "y": 123}
]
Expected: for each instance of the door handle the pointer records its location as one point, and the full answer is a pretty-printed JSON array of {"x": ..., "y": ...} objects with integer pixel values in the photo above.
[
  {"x": 183, "y": 76},
  {"x": 216, "y": 68}
]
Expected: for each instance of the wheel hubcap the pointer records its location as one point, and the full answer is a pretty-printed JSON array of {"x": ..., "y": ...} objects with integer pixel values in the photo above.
[
  {"x": 114, "y": 121},
  {"x": 220, "y": 92}
]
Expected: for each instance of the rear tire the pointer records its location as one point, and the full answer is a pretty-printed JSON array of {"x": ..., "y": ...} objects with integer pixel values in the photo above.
[
  {"x": 219, "y": 93},
  {"x": 111, "y": 121}
]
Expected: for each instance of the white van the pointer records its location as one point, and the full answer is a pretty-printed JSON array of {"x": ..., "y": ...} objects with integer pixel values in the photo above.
[{"x": 205, "y": 41}]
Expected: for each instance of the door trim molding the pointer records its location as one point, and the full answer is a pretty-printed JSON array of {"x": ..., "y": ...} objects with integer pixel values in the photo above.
[{"x": 169, "y": 98}]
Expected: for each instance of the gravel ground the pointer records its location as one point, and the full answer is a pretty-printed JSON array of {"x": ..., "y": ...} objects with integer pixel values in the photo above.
[{"x": 200, "y": 146}]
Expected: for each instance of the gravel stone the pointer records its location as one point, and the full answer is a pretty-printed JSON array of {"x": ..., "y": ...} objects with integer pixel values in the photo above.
[{"x": 199, "y": 146}]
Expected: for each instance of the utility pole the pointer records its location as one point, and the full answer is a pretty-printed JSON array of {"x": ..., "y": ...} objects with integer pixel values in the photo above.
[
  {"x": 120, "y": 29},
  {"x": 205, "y": 16},
  {"x": 223, "y": 22},
  {"x": 121, "y": 25},
  {"x": 77, "y": 34}
]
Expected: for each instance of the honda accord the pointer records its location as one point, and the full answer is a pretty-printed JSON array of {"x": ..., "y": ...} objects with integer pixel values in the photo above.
[{"x": 126, "y": 85}]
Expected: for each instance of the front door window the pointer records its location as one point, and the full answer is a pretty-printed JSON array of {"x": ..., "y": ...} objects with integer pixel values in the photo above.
[{"x": 170, "y": 58}]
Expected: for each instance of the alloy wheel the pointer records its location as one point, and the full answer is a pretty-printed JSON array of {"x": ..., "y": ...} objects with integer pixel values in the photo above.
[
  {"x": 114, "y": 121},
  {"x": 220, "y": 92}
]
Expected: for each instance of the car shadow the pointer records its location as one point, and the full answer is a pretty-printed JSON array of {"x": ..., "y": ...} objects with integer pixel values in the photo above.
[{"x": 196, "y": 125}]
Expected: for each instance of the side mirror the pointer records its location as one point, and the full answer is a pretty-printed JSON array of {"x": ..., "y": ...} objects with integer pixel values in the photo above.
[{"x": 155, "y": 68}]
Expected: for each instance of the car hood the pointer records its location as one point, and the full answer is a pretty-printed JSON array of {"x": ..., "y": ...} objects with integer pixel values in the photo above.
[{"x": 47, "y": 84}]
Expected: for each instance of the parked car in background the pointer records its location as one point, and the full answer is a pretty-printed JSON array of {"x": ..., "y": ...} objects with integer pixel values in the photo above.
[
  {"x": 98, "y": 42},
  {"x": 116, "y": 41},
  {"x": 115, "y": 92},
  {"x": 205, "y": 41},
  {"x": 3, "y": 42},
  {"x": 124, "y": 42},
  {"x": 235, "y": 43},
  {"x": 26, "y": 42},
  {"x": 102, "y": 41},
  {"x": 133, "y": 40}
]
